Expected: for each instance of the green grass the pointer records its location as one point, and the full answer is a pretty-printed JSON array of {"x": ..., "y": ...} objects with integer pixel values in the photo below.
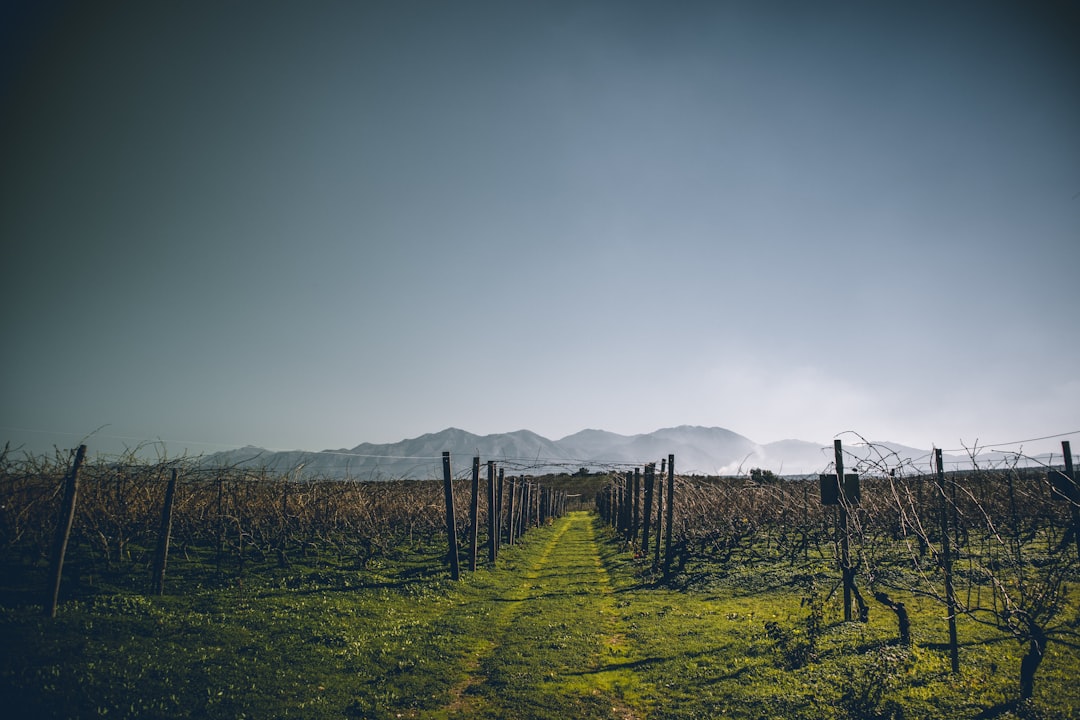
[{"x": 566, "y": 625}]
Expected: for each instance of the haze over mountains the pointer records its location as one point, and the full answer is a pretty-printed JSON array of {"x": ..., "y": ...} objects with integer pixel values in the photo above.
[{"x": 697, "y": 450}]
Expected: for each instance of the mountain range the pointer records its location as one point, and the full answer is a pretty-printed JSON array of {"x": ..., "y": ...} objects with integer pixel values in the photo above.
[{"x": 697, "y": 450}]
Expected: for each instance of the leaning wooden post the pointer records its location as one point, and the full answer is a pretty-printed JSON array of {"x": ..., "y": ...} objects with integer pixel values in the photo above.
[
  {"x": 845, "y": 556},
  {"x": 946, "y": 565},
  {"x": 493, "y": 523},
  {"x": 451, "y": 525},
  {"x": 1073, "y": 496},
  {"x": 670, "y": 513},
  {"x": 522, "y": 515},
  {"x": 161, "y": 553},
  {"x": 474, "y": 513},
  {"x": 63, "y": 531},
  {"x": 524, "y": 507}
]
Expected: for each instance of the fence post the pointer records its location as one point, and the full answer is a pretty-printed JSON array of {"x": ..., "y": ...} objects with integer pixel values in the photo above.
[
  {"x": 63, "y": 531},
  {"x": 220, "y": 520},
  {"x": 451, "y": 526},
  {"x": 670, "y": 513},
  {"x": 501, "y": 487},
  {"x": 650, "y": 473},
  {"x": 510, "y": 510},
  {"x": 845, "y": 555},
  {"x": 635, "y": 524},
  {"x": 493, "y": 522},
  {"x": 474, "y": 513},
  {"x": 660, "y": 510},
  {"x": 523, "y": 512},
  {"x": 946, "y": 564},
  {"x": 627, "y": 502},
  {"x": 1066, "y": 449},
  {"x": 283, "y": 559},
  {"x": 161, "y": 553},
  {"x": 536, "y": 505},
  {"x": 613, "y": 502}
]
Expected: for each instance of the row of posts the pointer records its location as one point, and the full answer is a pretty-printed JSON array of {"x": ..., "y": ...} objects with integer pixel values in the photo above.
[
  {"x": 528, "y": 504},
  {"x": 627, "y": 505},
  {"x": 514, "y": 506},
  {"x": 67, "y": 518}
]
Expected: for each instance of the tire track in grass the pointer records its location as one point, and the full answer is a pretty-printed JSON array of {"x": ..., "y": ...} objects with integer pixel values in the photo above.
[
  {"x": 559, "y": 648},
  {"x": 513, "y": 600},
  {"x": 614, "y": 672}
]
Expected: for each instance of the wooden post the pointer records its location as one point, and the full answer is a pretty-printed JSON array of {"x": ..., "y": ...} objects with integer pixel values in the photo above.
[
  {"x": 921, "y": 504},
  {"x": 474, "y": 513},
  {"x": 635, "y": 523},
  {"x": 522, "y": 519},
  {"x": 659, "y": 511},
  {"x": 845, "y": 557},
  {"x": 670, "y": 513},
  {"x": 63, "y": 531},
  {"x": 121, "y": 515},
  {"x": 513, "y": 507},
  {"x": 524, "y": 498},
  {"x": 627, "y": 501},
  {"x": 1070, "y": 475},
  {"x": 161, "y": 553},
  {"x": 806, "y": 521},
  {"x": 946, "y": 564},
  {"x": 283, "y": 560},
  {"x": 613, "y": 501},
  {"x": 451, "y": 525},
  {"x": 220, "y": 519},
  {"x": 527, "y": 501},
  {"x": 499, "y": 513},
  {"x": 522, "y": 516},
  {"x": 534, "y": 504},
  {"x": 493, "y": 523},
  {"x": 646, "y": 512}
]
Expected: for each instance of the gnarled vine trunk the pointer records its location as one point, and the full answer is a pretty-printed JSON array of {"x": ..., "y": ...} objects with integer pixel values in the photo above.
[{"x": 1030, "y": 663}]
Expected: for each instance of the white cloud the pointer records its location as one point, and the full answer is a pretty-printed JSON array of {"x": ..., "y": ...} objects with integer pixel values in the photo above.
[{"x": 767, "y": 403}]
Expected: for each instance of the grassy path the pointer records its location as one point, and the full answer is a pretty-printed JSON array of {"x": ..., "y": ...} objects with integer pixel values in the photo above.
[{"x": 558, "y": 646}]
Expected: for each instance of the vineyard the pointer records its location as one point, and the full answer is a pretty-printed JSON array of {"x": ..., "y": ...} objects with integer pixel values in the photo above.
[
  {"x": 947, "y": 563},
  {"x": 232, "y": 520},
  {"x": 998, "y": 546}
]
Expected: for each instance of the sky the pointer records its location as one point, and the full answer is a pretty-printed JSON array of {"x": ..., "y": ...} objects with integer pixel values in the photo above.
[{"x": 311, "y": 225}]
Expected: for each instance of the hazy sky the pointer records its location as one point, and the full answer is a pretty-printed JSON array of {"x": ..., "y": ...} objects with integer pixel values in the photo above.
[{"x": 308, "y": 225}]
